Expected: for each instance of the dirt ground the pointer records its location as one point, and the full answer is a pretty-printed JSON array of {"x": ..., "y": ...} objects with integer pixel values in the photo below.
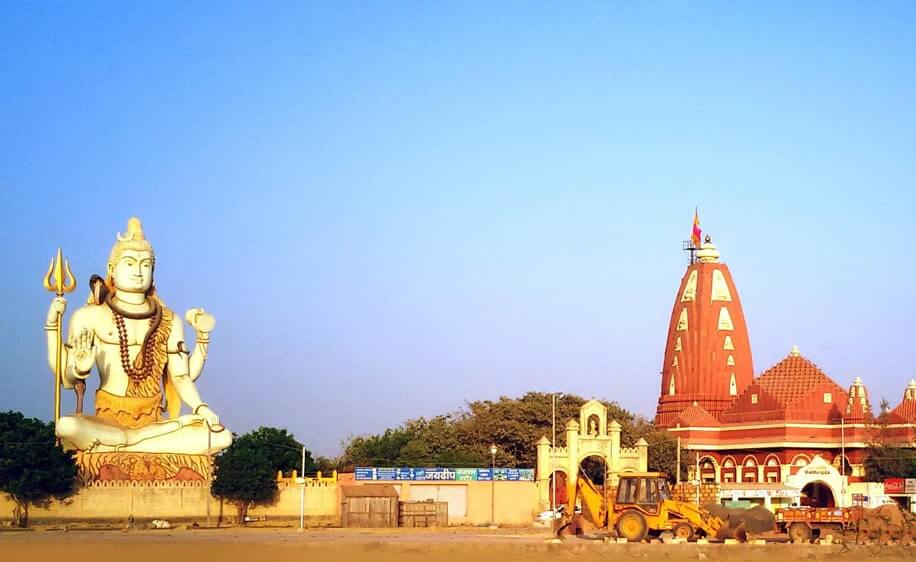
[{"x": 409, "y": 545}]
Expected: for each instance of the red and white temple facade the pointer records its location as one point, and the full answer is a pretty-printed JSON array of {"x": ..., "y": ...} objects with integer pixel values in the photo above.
[{"x": 791, "y": 426}]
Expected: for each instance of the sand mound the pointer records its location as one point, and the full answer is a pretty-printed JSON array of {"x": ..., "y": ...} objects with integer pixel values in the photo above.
[
  {"x": 757, "y": 519},
  {"x": 886, "y": 524}
]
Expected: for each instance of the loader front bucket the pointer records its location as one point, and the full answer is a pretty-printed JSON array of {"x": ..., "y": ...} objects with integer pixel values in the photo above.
[{"x": 726, "y": 531}]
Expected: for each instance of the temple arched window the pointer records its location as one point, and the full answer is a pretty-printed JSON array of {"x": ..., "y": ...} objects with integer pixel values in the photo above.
[
  {"x": 771, "y": 470},
  {"x": 707, "y": 471},
  {"x": 749, "y": 469},
  {"x": 729, "y": 470},
  {"x": 798, "y": 462}
]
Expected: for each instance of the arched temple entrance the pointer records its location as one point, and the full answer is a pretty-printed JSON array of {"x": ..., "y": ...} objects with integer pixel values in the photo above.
[
  {"x": 562, "y": 496},
  {"x": 592, "y": 444},
  {"x": 595, "y": 467},
  {"x": 817, "y": 494},
  {"x": 820, "y": 483}
]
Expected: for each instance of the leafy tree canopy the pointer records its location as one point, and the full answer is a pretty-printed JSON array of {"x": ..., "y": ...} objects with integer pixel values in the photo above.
[
  {"x": 514, "y": 425},
  {"x": 246, "y": 472},
  {"x": 886, "y": 456},
  {"x": 33, "y": 468}
]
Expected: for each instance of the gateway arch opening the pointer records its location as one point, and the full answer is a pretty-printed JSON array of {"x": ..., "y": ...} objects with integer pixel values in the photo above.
[{"x": 817, "y": 494}]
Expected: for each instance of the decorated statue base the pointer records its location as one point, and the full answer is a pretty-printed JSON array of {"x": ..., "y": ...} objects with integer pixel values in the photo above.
[{"x": 142, "y": 467}]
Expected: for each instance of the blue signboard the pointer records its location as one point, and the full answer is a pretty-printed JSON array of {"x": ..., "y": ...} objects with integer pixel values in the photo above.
[
  {"x": 364, "y": 473},
  {"x": 386, "y": 474},
  {"x": 445, "y": 474}
]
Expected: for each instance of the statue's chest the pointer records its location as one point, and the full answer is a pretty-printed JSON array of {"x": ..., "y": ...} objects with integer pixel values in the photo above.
[{"x": 130, "y": 331}]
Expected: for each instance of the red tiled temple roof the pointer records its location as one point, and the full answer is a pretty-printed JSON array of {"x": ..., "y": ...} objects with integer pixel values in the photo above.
[
  {"x": 792, "y": 379},
  {"x": 793, "y": 389},
  {"x": 906, "y": 410},
  {"x": 695, "y": 416}
]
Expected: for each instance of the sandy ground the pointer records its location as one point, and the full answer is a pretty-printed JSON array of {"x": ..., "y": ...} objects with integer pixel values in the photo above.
[{"x": 409, "y": 545}]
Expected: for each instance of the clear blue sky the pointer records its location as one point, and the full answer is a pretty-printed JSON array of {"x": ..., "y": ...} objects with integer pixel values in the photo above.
[{"x": 392, "y": 208}]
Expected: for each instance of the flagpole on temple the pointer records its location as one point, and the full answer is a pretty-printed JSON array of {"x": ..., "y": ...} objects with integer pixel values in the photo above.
[{"x": 695, "y": 237}]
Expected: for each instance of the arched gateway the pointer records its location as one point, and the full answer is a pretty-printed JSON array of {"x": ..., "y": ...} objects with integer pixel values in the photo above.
[
  {"x": 820, "y": 482},
  {"x": 591, "y": 436}
]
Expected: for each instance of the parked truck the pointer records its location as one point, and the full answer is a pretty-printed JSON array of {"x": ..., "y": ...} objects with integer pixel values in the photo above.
[{"x": 805, "y": 523}]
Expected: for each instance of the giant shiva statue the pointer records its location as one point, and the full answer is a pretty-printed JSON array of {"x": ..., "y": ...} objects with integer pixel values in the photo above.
[{"x": 145, "y": 368}]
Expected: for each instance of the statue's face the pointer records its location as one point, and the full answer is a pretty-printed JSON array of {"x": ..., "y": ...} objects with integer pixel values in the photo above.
[{"x": 134, "y": 271}]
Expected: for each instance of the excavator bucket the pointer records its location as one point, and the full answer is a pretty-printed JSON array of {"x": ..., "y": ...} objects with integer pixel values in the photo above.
[
  {"x": 728, "y": 532},
  {"x": 574, "y": 526},
  {"x": 561, "y": 527}
]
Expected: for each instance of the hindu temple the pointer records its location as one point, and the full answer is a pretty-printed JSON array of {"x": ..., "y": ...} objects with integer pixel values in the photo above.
[{"x": 792, "y": 432}]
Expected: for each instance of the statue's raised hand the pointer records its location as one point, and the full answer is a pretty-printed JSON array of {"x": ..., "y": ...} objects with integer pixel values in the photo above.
[
  {"x": 84, "y": 349},
  {"x": 56, "y": 312},
  {"x": 201, "y": 321}
]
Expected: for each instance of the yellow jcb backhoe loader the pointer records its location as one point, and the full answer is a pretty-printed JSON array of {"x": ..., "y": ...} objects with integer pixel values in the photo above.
[{"x": 641, "y": 506}]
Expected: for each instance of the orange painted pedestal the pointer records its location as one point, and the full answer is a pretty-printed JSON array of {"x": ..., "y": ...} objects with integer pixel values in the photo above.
[{"x": 142, "y": 467}]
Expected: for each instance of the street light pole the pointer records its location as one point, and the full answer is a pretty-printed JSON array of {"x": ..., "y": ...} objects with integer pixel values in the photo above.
[
  {"x": 677, "y": 479},
  {"x": 302, "y": 494},
  {"x": 493, "y": 487},
  {"x": 843, "y": 460},
  {"x": 553, "y": 453}
]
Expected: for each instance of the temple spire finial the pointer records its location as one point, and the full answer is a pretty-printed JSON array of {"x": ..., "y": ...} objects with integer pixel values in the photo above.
[{"x": 708, "y": 253}]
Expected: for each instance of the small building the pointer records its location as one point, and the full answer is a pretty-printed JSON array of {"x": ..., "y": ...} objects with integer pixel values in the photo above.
[{"x": 373, "y": 506}]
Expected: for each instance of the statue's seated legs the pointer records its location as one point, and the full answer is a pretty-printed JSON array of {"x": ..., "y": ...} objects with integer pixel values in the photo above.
[{"x": 185, "y": 435}]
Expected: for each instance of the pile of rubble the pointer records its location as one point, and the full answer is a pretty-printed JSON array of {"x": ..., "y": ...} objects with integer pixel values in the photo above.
[
  {"x": 755, "y": 520},
  {"x": 886, "y": 524}
]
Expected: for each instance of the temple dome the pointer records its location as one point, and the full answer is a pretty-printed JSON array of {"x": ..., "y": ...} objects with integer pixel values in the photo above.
[
  {"x": 906, "y": 410},
  {"x": 707, "y": 351},
  {"x": 857, "y": 405}
]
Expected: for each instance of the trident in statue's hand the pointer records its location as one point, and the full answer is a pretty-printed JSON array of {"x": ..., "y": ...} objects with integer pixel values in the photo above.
[{"x": 59, "y": 280}]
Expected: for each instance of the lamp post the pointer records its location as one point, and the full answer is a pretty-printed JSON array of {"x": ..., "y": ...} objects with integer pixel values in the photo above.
[
  {"x": 302, "y": 494},
  {"x": 843, "y": 460},
  {"x": 300, "y": 479},
  {"x": 553, "y": 452},
  {"x": 493, "y": 486}
]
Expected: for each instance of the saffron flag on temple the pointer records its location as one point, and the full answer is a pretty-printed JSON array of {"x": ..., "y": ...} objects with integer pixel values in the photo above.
[{"x": 695, "y": 235}]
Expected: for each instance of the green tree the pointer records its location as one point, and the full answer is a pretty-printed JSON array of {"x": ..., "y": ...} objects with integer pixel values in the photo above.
[
  {"x": 464, "y": 438},
  {"x": 663, "y": 454},
  {"x": 33, "y": 468},
  {"x": 886, "y": 456},
  {"x": 245, "y": 474},
  {"x": 376, "y": 450},
  {"x": 326, "y": 465},
  {"x": 282, "y": 450}
]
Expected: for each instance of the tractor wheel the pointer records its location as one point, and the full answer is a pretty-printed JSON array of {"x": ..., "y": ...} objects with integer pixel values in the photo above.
[
  {"x": 682, "y": 531},
  {"x": 632, "y": 526},
  {"x": 799, "y": 532}
]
